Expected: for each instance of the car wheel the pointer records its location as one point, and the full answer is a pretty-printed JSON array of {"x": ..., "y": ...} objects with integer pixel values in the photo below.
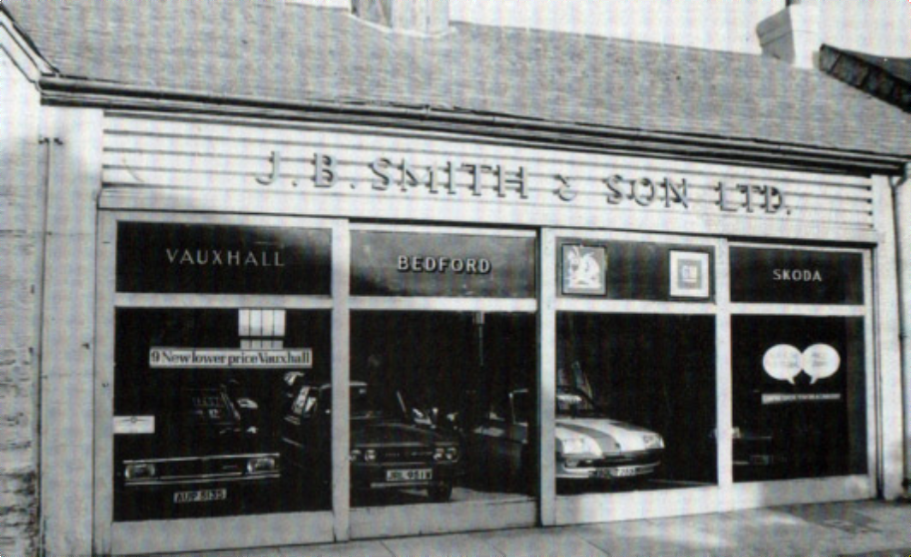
[{"x": 440, "y": 493}]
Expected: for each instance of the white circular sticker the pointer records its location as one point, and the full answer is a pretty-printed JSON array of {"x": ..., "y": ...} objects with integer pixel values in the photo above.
[
  {"x": 782, "y": 362},
  {"x": 820, "y": 361}
]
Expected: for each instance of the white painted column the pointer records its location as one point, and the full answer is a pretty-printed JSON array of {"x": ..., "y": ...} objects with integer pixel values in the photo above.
[
  {"x": 547, "y": 379},
  {"x": 724, "y": 386},
  {"x": 891, "y": 431},
  {"x": 341, "y": 400},
  {"x": 902, "y": 223},
  {"x": 68, "y": 343}
]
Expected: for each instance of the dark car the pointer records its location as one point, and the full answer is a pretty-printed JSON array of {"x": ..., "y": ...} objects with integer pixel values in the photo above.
[
  {"x": 388, "y": 451},
  {"x": 206, "y": 448}
]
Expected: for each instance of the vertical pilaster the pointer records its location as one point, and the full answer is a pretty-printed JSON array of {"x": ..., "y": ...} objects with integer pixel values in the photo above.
[
  {"x": 341, "y": 363},
  {"x": 891, "y": 433},
  {"x": 902, "y": 235},
  {"x": 547, "y": 379},
  {"x": 68, "y": 323},
  {"x": 724, "y": 386}
]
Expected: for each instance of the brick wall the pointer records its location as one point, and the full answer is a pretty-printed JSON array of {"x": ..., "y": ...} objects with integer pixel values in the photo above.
[{"x": 20, "y": 187}]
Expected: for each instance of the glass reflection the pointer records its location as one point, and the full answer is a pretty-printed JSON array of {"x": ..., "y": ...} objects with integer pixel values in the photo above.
[
  {"x": 198, "y": 408},
  {"x": 799, "y": 397},
  {"x": 448, "y": 425},
  {"x": 635, "y": 402}
]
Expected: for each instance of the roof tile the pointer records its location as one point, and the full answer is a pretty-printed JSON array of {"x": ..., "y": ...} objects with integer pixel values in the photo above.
[{"x": 292, "y": 52}]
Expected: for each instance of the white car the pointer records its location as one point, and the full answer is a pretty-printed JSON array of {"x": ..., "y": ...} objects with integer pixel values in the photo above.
[{"x": 589, "y": 445}]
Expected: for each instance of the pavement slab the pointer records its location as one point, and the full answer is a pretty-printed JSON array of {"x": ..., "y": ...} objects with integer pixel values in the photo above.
[
  {"x": 264, "y": 552},
  {"x": 554, "y": 542},
  {"x": 887, "y": 553},
  {"x": 854, "y": 529},
  {"x": 464, "y": 545},
  {"x": 352, "y": 549}
]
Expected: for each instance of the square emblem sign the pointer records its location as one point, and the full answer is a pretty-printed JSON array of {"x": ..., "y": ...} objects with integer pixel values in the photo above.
[
  {"x": 584, "y": 270},
  {"x": 689, "y": 274}
]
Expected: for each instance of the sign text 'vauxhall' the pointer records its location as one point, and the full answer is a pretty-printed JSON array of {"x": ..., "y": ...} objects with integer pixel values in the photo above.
[{"x": 476, "y": 179}]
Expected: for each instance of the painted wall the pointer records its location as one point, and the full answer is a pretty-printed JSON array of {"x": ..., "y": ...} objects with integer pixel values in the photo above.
[{"x": 20, "y": 240}]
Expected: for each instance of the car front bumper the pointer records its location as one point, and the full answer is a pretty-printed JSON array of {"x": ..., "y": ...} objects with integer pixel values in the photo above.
[
  {"x": 399, "y": 475},
  {"x": 614, "y": 467}
]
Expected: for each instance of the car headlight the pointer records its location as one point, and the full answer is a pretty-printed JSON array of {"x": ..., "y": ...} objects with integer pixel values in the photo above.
[
  {"x": 261, "y": 464},
  {"x": 452, "y": 454},
  {"x": 355, "y": 455},
  {"x": 653, "y": 441},
  {"x": 439, "y": 454},
  {"x": 140, "y": 471},
  {"x": 370, "y": 455},
  {"x": 580, "y": 445}
]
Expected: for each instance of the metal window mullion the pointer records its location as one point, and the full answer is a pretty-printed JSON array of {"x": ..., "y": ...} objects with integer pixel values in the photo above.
[
  {"x": 394, "y": 303},
  {"x": 870, "y": 383},
  {"x": 547, "y": 377},
  {"x": 801, "y": 310},
  {"x": 582, "y": 305},
  {"x": 226, "y": 301},
  {"x": 724, "y": 381},
  {"x": 341, "y": 362}
]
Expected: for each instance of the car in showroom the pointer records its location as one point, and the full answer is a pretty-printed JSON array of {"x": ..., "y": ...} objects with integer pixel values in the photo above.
[
  {"x": 387, "y": 449},
  {"x": 589, "y": 444},
  {"x": 202, "y": 450}
]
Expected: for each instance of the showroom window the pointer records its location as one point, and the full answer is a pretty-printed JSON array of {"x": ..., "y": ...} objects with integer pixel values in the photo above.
[
  {"x": 635, "y": 382},
  {"x": 205, "y": 356},
  {"x": 443, "y": 366},
  {"x": 798, "y": 335},
  {"x": 198, "y": 419}
]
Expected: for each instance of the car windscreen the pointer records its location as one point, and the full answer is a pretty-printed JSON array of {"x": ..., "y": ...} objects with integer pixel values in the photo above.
[
  {"x": 185, "y": 415},
  {"x": 376, "y": 404},
  {"x": 572, "y": 402},
  {"x": 202, "y": 408}
]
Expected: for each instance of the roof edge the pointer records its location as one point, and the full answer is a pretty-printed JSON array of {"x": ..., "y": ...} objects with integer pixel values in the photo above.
[
  {"x": 857, "y": 56},
  {"x": 837, "y": 63},
  {"x": 22, "y": 49},
  {"x": 565, "y": 135}
]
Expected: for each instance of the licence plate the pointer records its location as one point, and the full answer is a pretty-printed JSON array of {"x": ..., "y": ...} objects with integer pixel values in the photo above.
[
  {"x": 201, "y": 496},
  {"x": 625, "y": 471},
  {"x": 619, "y": 472},
  {"x": 408, "y": 475}
]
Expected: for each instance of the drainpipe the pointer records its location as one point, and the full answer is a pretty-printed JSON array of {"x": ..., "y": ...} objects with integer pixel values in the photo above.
[{"x": 901, "y": 192}]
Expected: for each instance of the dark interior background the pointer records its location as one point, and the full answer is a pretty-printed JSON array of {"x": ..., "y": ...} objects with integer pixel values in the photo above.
[
  {"x": 809, "y": 438},
  {"x": 654, "y": 371},
  {"x": 140, "y": 390}
]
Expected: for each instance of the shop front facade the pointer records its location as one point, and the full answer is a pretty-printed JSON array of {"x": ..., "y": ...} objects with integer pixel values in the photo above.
[
  {"x": 308, "y": 334},
  {"x": 265, "y": 323}
]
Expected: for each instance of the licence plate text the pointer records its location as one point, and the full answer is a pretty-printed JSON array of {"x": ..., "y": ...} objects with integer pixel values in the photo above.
[
  {"x": 621, "y": 472},
  {"x": 408, "y": 475},
  {"x": 201, "y": 496}
]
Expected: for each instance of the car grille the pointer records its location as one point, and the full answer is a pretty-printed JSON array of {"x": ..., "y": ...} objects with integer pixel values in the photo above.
[
  {"x": 221, "y": 468},
  {"x": 416, "y": 454},
  {"x": 635, "y": 457},
  {"x": 201, "y": 470}
]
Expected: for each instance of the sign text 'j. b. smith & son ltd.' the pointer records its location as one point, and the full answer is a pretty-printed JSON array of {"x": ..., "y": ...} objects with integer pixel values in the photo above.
[{"x": 519, "y": 182}]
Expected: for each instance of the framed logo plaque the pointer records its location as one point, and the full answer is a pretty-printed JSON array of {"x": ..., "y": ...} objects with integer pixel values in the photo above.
[
  {"x": 584, "y": 270},
  {"x": 689, "y": 274}
]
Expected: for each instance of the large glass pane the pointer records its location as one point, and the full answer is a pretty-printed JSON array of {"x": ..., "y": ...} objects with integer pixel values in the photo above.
[
  {"x": 440, "y": 406},
  {"x": 799, "y": 397},
  {"x": 200, "y": 401},
  {"x": 636, "y": 403}
]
